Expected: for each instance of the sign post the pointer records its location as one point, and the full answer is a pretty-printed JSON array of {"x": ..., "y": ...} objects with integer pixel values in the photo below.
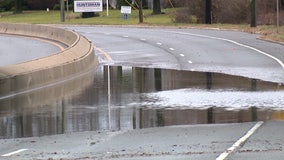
[{"x": 107, "y": 6}]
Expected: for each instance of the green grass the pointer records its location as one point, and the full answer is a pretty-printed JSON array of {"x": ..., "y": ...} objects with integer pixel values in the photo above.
[
  {"x": 116, "y": 18},
  {"x": 31, "y": 17}
]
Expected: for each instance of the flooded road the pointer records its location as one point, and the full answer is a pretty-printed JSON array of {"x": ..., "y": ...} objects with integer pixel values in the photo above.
[{"x": 127, "y": 98}]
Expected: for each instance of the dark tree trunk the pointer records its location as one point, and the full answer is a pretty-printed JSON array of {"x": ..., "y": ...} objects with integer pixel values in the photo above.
[
  {"x": 18, "y": 6},
  {"x": 208, "y": 12},
  {"x": 140, "y": 11},
  {"x": 253, "y": 13},
  {"x": 156, "y": 7}
]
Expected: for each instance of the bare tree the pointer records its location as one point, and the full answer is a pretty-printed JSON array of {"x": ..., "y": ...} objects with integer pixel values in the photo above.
[{"x": 140, "y": 5}]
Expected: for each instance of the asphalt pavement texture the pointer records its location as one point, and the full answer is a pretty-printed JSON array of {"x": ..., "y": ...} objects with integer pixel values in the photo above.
[{"x": 182, "y": 142}]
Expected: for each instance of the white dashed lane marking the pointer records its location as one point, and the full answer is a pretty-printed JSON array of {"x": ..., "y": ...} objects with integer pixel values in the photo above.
[
  {"x": 233, "y": 42},
  {"x": 12, "y": 153}
]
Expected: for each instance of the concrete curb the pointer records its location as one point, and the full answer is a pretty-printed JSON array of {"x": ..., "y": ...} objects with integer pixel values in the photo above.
[{"x": 76, "y": 58}]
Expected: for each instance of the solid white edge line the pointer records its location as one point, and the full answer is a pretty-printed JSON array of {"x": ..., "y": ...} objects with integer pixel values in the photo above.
[
  {"x": 15, "y": 152},
  {"x": 234, "y": 42},
  {"x": 239, "y": 142}
]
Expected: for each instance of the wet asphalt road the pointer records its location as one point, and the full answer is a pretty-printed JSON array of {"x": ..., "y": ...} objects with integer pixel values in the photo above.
[
  {"x": 167, "y": 143},
  {"x": 266, "y": 143},
  {"x": 229, "y": 52}
]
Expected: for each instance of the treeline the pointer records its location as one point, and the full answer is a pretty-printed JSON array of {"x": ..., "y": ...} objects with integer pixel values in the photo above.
[
  {"x": 9, "y": 5},
  {"x": 188, "y": 11},
  {"x": 227, "y": 11}
]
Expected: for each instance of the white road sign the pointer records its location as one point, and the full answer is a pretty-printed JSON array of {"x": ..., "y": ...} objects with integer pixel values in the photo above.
[
  {"x": 126, "y": 9},
  {"x": 88, "y": 6}
]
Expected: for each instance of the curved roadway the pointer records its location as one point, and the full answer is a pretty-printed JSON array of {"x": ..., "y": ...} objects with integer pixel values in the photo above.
[{"x": 229, "y": 52}]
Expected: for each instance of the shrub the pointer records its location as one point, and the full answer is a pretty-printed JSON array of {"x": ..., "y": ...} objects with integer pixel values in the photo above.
[
  {"x": 231, "y": 11},
  {"x": 267, "y": 12},
  {"x": 122, "y": 3},
  {"x": 228, "y": 11},
  {"x": 6, "y": 5},
  {"x": 192, "y": 12}
]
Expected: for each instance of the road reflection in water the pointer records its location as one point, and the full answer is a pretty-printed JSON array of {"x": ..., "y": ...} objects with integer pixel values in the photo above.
[{"x": 139, "y": 98}]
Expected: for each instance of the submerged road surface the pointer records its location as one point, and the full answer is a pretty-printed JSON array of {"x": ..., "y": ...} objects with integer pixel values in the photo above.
[{"x": 229, "y": 52}]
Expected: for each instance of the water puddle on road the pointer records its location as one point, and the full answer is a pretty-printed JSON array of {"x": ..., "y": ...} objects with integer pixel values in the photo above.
[{"x": 126, "y": 98}]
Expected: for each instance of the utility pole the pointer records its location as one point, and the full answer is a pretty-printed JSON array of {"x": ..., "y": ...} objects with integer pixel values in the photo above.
[
  {"x": 277, "y": 15},
  {"x": 67, "y": 6},
  {"x": 253, "y": 13},
  {"x": 62, "y": 10}
]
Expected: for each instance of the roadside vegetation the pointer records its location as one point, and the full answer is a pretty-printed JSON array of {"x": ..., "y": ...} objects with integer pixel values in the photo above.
[{"x": 227, "y": 14}]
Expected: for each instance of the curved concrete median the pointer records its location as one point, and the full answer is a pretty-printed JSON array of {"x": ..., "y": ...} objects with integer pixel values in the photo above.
[{"x": 75, "y": 59}]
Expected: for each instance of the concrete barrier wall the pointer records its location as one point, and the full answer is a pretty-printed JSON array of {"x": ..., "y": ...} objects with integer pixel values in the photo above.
[
  {"x": 76, "y": 58},
  {"x": 41, "y": 31}
]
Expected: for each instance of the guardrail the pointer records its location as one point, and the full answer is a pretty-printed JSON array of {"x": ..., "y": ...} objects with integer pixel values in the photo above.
[{"x": 76, "y": 58}]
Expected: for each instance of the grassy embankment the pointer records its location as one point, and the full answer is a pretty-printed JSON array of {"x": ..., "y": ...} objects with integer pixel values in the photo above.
[{"x": 116, "y": 18}]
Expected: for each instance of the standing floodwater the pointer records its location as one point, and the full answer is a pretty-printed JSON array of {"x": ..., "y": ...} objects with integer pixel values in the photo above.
[{"x": 126, "y": 98}]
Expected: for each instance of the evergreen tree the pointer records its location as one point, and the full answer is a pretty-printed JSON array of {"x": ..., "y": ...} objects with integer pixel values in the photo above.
[
  {"x": 156, "y": 7},
  {"x": 18, "y": 6}
]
